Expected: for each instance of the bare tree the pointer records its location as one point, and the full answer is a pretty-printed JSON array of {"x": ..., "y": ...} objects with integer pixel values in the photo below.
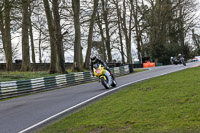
[
  {"x": 92, "y": 21},
  {"x": 100, "y": 25},
  {"x": 127, "y": 29},
  {"x": 58, "y": 36},
  {"x": 25, "y": 39},
  {"x": 5, "y": 30},
  {"x": 119, "y": 23},
  {"x": 77, "y": 42},
  {"x": 105, "y": 18},
  {"x": 52, "y": 68},
  {"x": 31, "y": 35}
]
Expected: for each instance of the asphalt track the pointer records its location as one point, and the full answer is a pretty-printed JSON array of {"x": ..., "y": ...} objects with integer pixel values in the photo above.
[{"x": 25, "y": 114}]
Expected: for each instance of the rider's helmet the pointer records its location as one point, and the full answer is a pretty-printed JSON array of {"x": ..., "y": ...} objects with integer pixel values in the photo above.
[
  {"x": 172, "y": 58},
  {"x": 179, "y": 55},
  {"x": 93, "y": 58}
]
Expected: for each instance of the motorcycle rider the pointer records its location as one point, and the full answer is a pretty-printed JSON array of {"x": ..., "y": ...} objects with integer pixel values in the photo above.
[
  {"x": 94, "y": 60},
  {"x": 180, "y": 56}
]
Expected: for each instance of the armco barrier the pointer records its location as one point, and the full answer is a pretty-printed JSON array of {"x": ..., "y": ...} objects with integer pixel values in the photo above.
[{"x": 22, "y": 87}]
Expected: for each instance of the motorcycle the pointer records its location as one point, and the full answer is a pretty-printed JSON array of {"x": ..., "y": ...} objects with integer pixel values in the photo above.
[
  {"x": 104, "y": 76},
  {"x": 176, "y": 61}
]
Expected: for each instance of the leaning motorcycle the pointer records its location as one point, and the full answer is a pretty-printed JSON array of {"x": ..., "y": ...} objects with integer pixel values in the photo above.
[
  {"x": 104, "y": 76},
  {"x": 178, "y": 61}
]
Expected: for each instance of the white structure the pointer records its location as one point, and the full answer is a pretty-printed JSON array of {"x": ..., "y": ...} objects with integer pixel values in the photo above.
[{"x": 2, "y": 58}]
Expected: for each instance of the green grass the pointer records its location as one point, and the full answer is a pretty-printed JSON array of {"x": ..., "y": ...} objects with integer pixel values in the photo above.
[
  {"x": 14, "y": 76},
  {"x": 166, "y": 104}
]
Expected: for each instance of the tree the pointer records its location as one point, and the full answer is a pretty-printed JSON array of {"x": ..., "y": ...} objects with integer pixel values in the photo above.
[
  {"x": 105, "y": 10},
  {"x": 77, "y": 43},
  {"x": 99, "y": 23},
  {"x": 196, "y": 41},
  {"x": 5, "y": 30},
  {"x": 31, "y": 35},
  {"x": 92, "y": 21},
  {"x": 25, "y": 39},
  {"x": 49, "y": 17},
  {"x": 119, "y": 24},
  {"x": 169, "y": 23},
  {"x": 58, "y": 36},
  {"x": 127, "y": 29}
]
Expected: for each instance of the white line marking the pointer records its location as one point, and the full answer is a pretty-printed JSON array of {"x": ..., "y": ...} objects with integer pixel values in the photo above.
[{"x": 77, "y": 105}]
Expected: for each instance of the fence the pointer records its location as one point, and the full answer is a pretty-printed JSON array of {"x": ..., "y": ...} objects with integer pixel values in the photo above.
[{"x": 23, "y": 87}]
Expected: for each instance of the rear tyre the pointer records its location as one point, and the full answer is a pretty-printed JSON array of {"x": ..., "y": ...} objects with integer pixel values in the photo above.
[
  {"x": 114, "y": 83},
  {"x": 104, "y": 83}
]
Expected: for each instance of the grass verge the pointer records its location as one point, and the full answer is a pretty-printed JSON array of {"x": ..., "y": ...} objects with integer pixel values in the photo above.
[
  {"x": 14, "y": 76},
  {"x": 164, "y": 104}
]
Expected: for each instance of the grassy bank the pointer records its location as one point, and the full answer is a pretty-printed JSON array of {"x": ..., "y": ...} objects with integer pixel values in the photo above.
[
  {"x": 14, "y": 76},
  {"x": 165, "y": 104}
]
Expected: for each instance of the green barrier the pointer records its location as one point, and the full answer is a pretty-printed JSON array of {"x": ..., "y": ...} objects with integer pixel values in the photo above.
[
  {"x": 70, "y": 78},
  {"x": 159, "y": 64},
  {"x": 87, "y": 76},
  {"x": 0, "y": 88},
  {"x": 50, "y": 82},
  {"x": 24, "y": 85}
]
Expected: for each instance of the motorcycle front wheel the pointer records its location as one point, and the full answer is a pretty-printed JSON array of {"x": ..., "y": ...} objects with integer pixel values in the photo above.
[
  {"x": 104, "y": 83},
  {"x": 184, "y": 63}
]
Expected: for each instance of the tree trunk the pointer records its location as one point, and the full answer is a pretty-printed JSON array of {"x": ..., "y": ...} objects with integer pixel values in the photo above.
[
  {"x": 92, "y": 21},
  {"x": 124, "y": 27},
  {"x": 52, "y": 68},
  {"x": 77, "y": 43},
  {"x": 25, "y": 39},
  {"x": 119, "y": 22},
  {"x": 105, "y": 17},
  {"x": 31, "y": 37},
  {"x": 181, "y": 30},
  {"x": 58, "y": 36},
  {"x": 2, "y": 28},
  {"x": 8, "y": 47},
  {"x": 99, "y": 22},
  {"x": 135, "y": 15},
  {"x": 39, "y": 45}
]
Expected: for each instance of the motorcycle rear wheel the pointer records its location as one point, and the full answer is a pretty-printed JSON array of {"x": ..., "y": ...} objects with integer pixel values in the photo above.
[{"x": 114, "y": 83}]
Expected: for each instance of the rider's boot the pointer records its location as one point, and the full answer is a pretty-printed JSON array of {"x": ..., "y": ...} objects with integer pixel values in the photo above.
[{"x": 112, "y": 75}]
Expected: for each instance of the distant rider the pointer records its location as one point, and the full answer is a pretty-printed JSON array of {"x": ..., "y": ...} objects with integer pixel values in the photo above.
[
  {"x": 94, "y": 60},
  {"x": 179, "y": 56}
]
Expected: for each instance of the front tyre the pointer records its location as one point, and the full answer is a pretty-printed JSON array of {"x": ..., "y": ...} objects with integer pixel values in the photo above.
[
  {"x": 104, "y": 83},
  {"x": 183, "y": 62}
]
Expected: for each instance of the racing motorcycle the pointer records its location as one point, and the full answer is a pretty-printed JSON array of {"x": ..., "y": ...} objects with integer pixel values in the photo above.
[
  {"x": 104, "y": 76},
  {"x": 176, "y": 61}
]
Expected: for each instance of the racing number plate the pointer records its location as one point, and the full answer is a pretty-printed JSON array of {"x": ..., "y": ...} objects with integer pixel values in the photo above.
[{"x": 98, "y": 71}]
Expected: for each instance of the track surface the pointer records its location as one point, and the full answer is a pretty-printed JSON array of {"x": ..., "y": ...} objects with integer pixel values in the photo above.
[{"x": 21, "y": 114}]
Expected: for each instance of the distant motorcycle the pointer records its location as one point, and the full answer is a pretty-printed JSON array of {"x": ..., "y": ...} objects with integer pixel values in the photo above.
[
  {"x": 104, "y": 76},
  {"x": 176, "y": 61}
]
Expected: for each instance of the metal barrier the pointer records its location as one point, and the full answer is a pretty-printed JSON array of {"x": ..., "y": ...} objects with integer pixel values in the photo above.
[{"x": 16, "y": 88}]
